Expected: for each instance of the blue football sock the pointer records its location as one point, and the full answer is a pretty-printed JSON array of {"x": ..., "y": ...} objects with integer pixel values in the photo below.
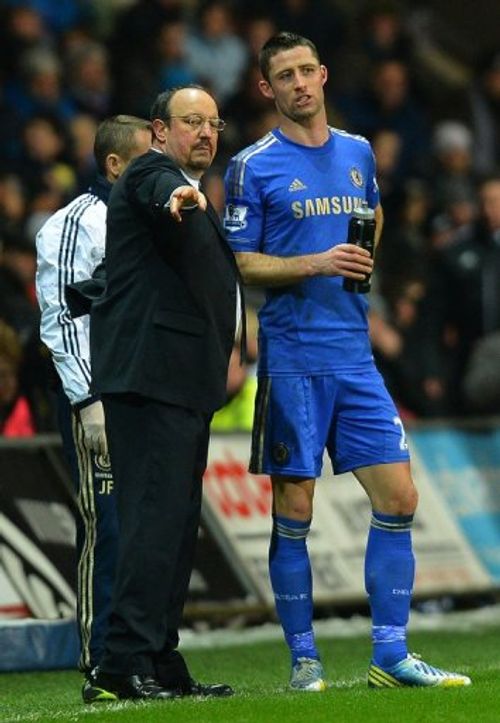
[
  {"x": 291, "y": 580},
  {"x": 389, "y": 574}
]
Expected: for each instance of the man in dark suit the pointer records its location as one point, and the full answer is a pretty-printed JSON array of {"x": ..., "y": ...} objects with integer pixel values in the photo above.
[{"x": 161, "y": 336}]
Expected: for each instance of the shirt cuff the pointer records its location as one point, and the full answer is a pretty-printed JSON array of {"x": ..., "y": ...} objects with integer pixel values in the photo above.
[{"x": 87, "y": 402}]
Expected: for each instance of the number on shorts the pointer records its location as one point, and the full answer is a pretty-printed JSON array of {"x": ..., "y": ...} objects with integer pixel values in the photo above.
[{"x": 403, "y": 444}]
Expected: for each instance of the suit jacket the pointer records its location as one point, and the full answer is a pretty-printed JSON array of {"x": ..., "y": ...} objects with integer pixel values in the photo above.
[{"x": 164, "y": 327}]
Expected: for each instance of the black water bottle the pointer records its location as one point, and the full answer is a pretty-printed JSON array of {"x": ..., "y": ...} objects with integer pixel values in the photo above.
[{"x": 362, "y": 233}]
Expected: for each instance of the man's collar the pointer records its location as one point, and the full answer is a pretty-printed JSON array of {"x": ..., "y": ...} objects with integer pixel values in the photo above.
[
  {"x": 192, "y": 181},
  {"x": 101, "y": 188}
]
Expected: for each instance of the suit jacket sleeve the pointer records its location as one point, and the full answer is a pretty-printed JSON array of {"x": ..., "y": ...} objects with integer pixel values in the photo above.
[{"x": 150, "y": 192}]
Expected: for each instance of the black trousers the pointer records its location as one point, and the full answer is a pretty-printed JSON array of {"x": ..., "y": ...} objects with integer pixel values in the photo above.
[
  {"x": 159, "y": 454},
  {"x": 96, "y": 535}
]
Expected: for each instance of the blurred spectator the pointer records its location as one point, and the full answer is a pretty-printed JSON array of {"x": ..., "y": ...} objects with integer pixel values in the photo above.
[
  {"x": 400, "y": 355},
  {"x": 174, "y": 69},
  {"x": 59, "y": 15},
  {"x": 481, "y": 384},
  {"x": 388, "y": 104},
  {"x": 250, "y": 114},
  {"x": 261, "y": 124},
  {"x": 18, "y": 255},
  {"x": 257, "y": 30},
  {"x": 440, "y": 74},
  {"x": 466, "y": 290},
  {"x": 21, "y": 29},
  {"x": 399, "y": 326},
  {"x": 9, "y": 131},
  {"x": 404, "y": 249},
  {"x": 378, "y": 34},
  {"x": 89, "y": 79},
  {"x": 16, "y": 418},
  {"x": 452, "y": 175},
  {"x": 44, "y": 168},
  {"x": 216, "y": 55},
  {"x": 19, "y": 310},
  {"x": 452, "y": 182},
  {"x": 320, "y": 20},
  {"x": 384, "y": 36},
  {"x": 82, "y": 130},
  {"x": 40, "y": 90},
  {"x": 13, "y": 207},
  {"x": 386, "y": 146},
  {"x": 137, "y": 25},
  {"x": 458, "y": 209},
  {"x": 134, "y": 52},
  {"x": 484, "y": 102}
]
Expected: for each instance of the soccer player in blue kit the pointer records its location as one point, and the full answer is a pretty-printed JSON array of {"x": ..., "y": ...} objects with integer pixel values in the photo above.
[{"x": 289, "y": 200}]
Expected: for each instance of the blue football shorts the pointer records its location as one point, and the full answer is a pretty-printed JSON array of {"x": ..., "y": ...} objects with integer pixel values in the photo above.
[{"x": 351, "y": 414}]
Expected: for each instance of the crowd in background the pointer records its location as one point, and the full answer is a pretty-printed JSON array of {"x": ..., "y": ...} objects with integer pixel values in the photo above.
[{"x": 432, "y": 117}]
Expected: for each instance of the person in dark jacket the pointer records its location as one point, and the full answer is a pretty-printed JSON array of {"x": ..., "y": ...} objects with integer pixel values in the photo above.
[
  {"x": 70, "y": 245},
  {"x": 465, "y": 298},
  {"x": 161, "y": 336}
]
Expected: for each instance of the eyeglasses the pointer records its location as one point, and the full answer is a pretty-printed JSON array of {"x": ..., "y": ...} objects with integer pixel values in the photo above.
[{"x": 196, "y": 122}]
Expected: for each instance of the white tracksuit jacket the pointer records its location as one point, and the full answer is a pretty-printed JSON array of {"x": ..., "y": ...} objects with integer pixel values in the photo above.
[{"x": 69, "y": 247}]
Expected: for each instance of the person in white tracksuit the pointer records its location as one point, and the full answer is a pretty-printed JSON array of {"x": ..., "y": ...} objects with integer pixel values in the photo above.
[{"x": 70, "y": 245}]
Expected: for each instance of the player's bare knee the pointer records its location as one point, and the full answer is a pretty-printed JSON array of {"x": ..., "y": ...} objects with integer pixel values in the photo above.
[
  {"x": 412, "y": 500},
  {"x": 294, "y": 508},
  {"x": 405, "y": 501},
  {"x": 293, "y": 499},
  {"x": 400, "y": 501}
]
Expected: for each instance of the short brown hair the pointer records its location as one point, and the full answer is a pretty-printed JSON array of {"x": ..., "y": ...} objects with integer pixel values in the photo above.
[
  {"x": 117, "y": 135},
  {"x": 278, "y": 43}
]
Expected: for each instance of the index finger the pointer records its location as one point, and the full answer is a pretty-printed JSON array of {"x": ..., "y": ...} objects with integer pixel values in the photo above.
[
  {"x": 174, "y": 208},
  {"x": 202, "y": 201}
]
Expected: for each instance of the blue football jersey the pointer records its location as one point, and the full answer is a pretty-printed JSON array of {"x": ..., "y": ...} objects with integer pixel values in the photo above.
[{"x": 287, "y": 199}]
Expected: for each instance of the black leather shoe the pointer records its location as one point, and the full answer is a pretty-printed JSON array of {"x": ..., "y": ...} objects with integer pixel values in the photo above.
[
  {"x": 172, "y": 673},
  {"x": 216, "y": 690},
  {"x": 105, "y": 688}
]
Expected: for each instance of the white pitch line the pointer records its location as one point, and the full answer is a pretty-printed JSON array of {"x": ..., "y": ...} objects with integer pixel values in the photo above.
[{"x": 464, "y": 621}]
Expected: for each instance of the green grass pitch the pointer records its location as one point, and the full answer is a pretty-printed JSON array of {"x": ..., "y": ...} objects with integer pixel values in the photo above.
[{"x": 259, "y": 673}]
